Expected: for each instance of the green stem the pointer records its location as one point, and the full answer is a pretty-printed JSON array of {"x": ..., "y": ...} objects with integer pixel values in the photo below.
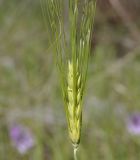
[{"x": 75, "y": 153}]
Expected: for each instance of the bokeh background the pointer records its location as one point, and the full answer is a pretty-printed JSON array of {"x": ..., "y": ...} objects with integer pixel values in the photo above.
[{"x": 32, "y": 119}]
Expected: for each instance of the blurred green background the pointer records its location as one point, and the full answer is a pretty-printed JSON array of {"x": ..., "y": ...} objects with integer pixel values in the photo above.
[{"x": 30, "y": 93}]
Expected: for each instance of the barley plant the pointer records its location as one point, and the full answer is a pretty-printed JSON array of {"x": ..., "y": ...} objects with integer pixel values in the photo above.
[{"x": 71, "y": 44}]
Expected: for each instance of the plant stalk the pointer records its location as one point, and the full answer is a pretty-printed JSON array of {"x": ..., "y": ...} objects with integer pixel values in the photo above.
[{"x": 75, "y": 153}]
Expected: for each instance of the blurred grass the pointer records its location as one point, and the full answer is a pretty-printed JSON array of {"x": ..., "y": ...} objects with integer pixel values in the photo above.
[{"x": 30, "y": 91}]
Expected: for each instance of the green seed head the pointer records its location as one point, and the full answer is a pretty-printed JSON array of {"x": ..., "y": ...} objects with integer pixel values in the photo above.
[
  {"x": 71, "y": 53},
  {"x": 74, "y": 103}
]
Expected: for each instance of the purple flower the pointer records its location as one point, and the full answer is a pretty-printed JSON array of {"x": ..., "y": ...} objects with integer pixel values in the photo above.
[
  {"x": 21, "y": 138},
  {"x": 133, "y": 124}
]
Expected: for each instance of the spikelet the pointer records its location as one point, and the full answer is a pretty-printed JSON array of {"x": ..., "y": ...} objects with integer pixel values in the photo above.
[{"x": 74, "y": 99}]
